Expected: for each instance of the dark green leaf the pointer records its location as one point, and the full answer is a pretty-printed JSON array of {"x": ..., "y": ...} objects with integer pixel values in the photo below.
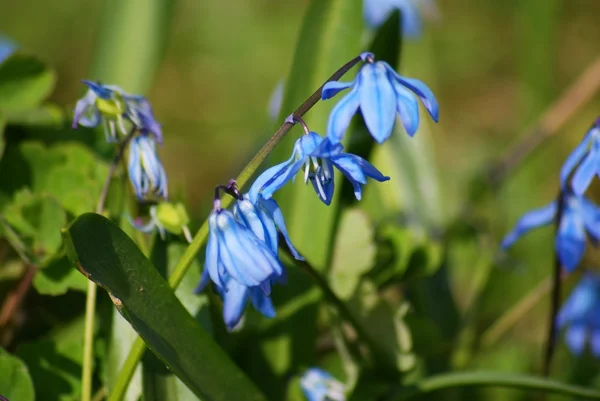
[
  {"x": 58, "y": 277},
  {"x": 106, "y": 255},
  {"x": 24, "y": 82},
  {"x": 15, "y": 382}
]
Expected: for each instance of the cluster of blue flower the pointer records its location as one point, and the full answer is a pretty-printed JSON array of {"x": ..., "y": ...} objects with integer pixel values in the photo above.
[
  {"x": 241, "y": 256},
  {"x": 577, "y": 219}
]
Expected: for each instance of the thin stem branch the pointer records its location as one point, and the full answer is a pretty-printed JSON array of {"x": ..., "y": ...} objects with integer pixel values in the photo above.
[
  {"x": 92, "y": 290},
  {"x": 16, "y": 296},
  {"x": 489, "y": 379},
  {"x": 200, "y": 238},
  {"x": 556, "y": 290}
]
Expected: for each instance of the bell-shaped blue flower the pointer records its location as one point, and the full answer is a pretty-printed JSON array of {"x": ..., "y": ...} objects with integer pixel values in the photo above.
[
  {"x": 241, "y": 265},
  {"x": 585, "y": 160},
  {"x": 376, "y": 12},
  {"x": 318, "y": 385},
  {"x": 579, "y": 216},
  {"x": 381, "y": 94},
  {"x": 580, "y": 316},
  {"x": 318, "y": 156},
  {"x": 102, "y": 104},
  {"x": 264, "y": 218},
  {"x": 146, "y": 172},
  {"x": 139, "y": 111}
]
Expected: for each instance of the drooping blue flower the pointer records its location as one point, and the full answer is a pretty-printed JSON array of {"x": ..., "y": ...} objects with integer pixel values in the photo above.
[
  {"x": 7, "y": 47},
  {"x": 318, "y": 385},
  {"x": 139, "y": 111},
  {"x": 579, "y": 216},
  {"x": 146, "y": 172},
  {"x": 580, "y": 316},
  {"x": 585, "y": 160},
  {"x": 102, "y": 104},
  {"x": 264, "y": 217},
  {"x": 318, "y": 156},
  {"x": 381, "y": 94},
  {"x": 241, "y": 265},
  {"x": 376, "y": 12}
]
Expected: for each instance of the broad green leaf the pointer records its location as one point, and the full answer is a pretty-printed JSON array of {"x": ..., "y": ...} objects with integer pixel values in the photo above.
[
  {"x": 37, "y": 219},
  {"x": 15, "y": 381},
  {"x": 329, "y": 38},
  {"x": 48, "y": 115},
  {"x": 58, "y": 277},
  {"x": 353, "y": 254},
  {"x": 106, "y": 255},
  {"x": 55, "y": 363},
  {"x": 24, "y": 82}
]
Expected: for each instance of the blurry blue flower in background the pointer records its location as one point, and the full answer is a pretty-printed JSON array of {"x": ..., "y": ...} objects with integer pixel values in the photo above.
[
  {"x": 318, "y": 156},
  {"x": 139, "y": 111},
  {"x": 380, "y": 93},
  {"x": 146, "y": 172},
  {"x": 7, "y": 47},
  {"x": 276, "y": 100},
  {"x": 585, "y": 160},
  {"x": 264, "y": 218},
  {"x": 578, "y": 216},
  {"x": 580, "y": 316},
  {"x": 376, "y": 12},
  {"x": 165, "y": 217},
  {"x": 319, "y": 385},
  {"x": 102, "y": 104}
]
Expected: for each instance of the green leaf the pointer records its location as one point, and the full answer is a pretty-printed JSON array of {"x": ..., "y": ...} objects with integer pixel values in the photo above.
[
  {"x": 2, "y": 127},
  {"x": 58, "y": 277},
  {"x": 37, "y": 219},
  {"x": 354, "y": 252},
  {"x": 48, "y": 115},
  {"x": 15, "y": 382},
  {"x": 24, "y": 82},
  {"x": 106, "y": 255},
  {"x": 330, "y": 37}
]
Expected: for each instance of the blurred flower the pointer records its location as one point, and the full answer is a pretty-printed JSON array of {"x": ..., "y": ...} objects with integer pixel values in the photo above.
[
  {"x": 165, "y": 217},
  {"x": 381, "y": 93},
  {"x": 578, "y": 216},
  {"x": 263, "y": 217},
  {"x": 587, "y": 159},
  {"x": 318, "y": 156},
  {"x": 7, "y": 47},
  {"x": 376, "y": 12},
  {"x": 276, "y": 101},
  {"x": 241, "y": 266},
  {"x": 319, "y": 385},
  {"x": 146, "y": 172},
  {"x": 139, "y": 111},
  {"x": 101, "y": 104},
  {"x": 580, "y": 315}
]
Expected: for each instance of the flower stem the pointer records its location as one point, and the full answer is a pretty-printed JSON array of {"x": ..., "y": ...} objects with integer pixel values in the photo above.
[
  {"x": 92, "y": 290},
  {"x": 200, "y": 238},
  {"x": 489, "y": 379}
]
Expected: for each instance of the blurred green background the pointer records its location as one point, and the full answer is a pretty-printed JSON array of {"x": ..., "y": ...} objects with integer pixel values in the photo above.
[{"x": 495, "y": 67}]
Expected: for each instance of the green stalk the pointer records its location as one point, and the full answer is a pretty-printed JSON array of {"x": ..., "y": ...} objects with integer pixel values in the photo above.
[
  {"x": 88, "y": 342},
  {"x": 192, "y": 250},
  {"x": 489, "y": 379}
]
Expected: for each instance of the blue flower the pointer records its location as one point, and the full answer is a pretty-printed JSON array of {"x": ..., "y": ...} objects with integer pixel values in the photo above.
[
  {"x": 164, "y": 217},
  {"x": 264, "y": 217},
  {"x": 139, "y": 111},
  {"x": 146, "y": 172},
  {"x": 587, "y": 159},
  {"x": 318, "y": 155},
  {"x": 241, "y": 266},
  {"x": 102, "y": 104},
  {"x": 7, "y": 48},
  {"x": 579, "y": 216},
  {"x": 376, "y": 12},
  {"x": 319, "y": 385},
  {"x": 580, "y": 316},
  {"x": 381, "y": 93}
]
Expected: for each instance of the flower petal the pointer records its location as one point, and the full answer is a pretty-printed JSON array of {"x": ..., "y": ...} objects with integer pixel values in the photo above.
[
  {"x": 234, "y": 302},
  {"x": 591, "y": 218},
  {"x": 408, "y": 108},
  {"x": 85, "y": 106},
  {"x": 262, "y": 302},
  {"x": 585, "y": 172},
  {"x": 595, "y": 342},
  {"x": 332, "y": 88},
  {"x": 102, "y": 91},
  {"x": 342, "y": 114},
  {"x": 211, "y": 260},
  {"x": 273, "y": 210},
  {"x": 574, "y": 159},
  {"x": 377, "y": 100},
  {"x": 535, "y": 218},
  {"x": 575, "y": 338},
  {"x": 421, "y": 90},
  {"x": 570, "y": 238}
]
